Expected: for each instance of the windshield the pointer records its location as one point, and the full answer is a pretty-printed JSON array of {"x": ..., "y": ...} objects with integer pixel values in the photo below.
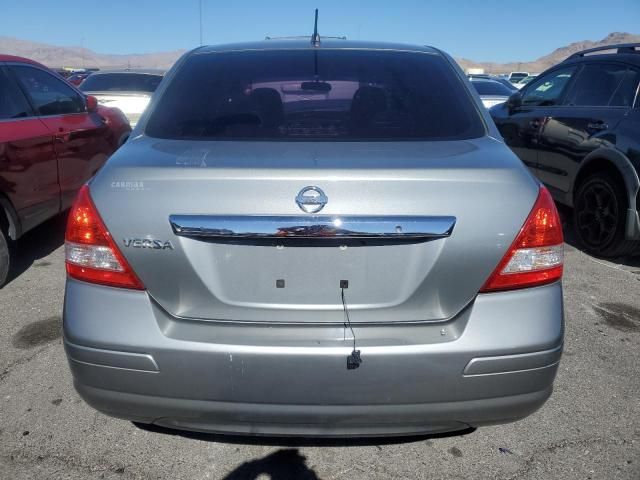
[
  {"x": 315, "y": 94},
  {"x": 121, "y": 82},
  {"x": 491, "y": 88}
]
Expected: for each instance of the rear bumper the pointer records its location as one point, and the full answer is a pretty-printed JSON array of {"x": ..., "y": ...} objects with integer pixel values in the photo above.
[
  {"x": 495, "y": 362},
  {"x": 311, "y": 420}
]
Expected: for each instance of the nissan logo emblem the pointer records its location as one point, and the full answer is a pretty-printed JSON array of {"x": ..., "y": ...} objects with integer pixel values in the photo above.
[{"x": 311, "y": 199}]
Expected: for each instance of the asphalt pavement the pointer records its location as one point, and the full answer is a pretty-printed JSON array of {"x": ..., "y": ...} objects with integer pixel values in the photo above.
[{"x": 589, "y": 429}]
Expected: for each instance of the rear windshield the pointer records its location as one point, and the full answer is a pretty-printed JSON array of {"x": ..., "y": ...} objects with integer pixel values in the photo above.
[
  {"x": 491, "y": 88},
  {"x": 121, "y": 82},
  {"x": 314, "y": 95}
]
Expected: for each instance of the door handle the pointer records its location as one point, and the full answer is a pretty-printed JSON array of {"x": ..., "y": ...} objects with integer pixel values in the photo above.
[
  {"x": 63, "y": 138},
  {"x": 597, "y": 126}
]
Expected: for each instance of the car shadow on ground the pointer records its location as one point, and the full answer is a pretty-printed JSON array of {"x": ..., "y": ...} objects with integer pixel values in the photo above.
[
  {"x": 283, "y": 464},
  {"x": 36, "y": 245},
  {"x": 287, "y": 462},
  {"x": 571, "y": 239}
]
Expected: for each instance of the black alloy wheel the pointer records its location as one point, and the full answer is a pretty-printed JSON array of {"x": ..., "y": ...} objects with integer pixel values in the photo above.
[{"x": 599, "y": 216}]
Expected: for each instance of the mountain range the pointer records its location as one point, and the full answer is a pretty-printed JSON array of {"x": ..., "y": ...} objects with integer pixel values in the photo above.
[
  {"x": 78, "y": 57},
  {"x": 553, "y": 58}
]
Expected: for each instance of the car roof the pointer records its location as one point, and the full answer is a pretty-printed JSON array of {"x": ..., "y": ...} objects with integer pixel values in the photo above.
[
  {"x": 632, "y": 58},
  {"x": 484, "y": 79},
  {"x": 140, "y": 71},
  {"x": 16, "y": 59},
  {"x": 304, "y": 43}
]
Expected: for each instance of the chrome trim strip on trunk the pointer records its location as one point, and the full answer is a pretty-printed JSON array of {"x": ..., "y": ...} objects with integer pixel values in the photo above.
[{"x": 416, "y": 228}]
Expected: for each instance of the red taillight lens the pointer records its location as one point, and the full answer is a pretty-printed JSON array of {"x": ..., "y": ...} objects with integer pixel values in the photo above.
[
  {"x": 90, "y": 252},
  {"x": 537, "y": 255}
]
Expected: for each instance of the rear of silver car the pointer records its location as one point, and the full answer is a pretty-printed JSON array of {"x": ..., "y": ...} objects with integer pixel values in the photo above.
[{"x": 305, "y": 278}]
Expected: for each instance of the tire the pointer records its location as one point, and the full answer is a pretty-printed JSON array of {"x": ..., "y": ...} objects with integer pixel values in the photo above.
[
  {"x": 5, "y": 257},
  {"x": 599, "y": 216}
]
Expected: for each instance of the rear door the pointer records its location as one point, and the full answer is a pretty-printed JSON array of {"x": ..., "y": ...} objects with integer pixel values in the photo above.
[
  {"x": 599, "y": 98},
  {"x": 521, "y": 127},
  {"x": 81, "y": 138},
  {"x": 28, "y": 167}
]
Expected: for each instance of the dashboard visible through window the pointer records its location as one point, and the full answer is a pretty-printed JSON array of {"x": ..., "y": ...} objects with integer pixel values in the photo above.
[{"x": 548, "y": 90}]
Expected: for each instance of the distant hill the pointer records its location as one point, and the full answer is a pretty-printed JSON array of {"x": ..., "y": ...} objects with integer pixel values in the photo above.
[
  {"x": 555, "y": 57},
  {"x": 55, "y": 56},
  {"x": 77, "y": 57}
]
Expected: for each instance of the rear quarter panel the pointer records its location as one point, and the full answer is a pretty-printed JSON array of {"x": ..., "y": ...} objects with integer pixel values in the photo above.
[{"x": 28, "y": 170}]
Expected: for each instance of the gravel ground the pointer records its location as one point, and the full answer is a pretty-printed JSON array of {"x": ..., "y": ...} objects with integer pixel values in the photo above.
[{"x": 590, "y": 428}]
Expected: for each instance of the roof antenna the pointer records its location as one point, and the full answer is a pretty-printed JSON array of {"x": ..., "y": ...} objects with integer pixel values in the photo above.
[{"x": 315, "y": 39}]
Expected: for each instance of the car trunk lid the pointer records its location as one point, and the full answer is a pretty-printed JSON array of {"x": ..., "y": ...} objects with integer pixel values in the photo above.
[{"x": 443, "y": 214}]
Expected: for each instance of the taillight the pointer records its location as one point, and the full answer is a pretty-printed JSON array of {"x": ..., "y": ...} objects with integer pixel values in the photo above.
[
  {"x": 91, "y": 254},
  {"x": 537, "y": 254}
]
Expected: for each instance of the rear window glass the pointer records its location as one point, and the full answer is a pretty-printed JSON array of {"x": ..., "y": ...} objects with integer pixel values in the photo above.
[
  {"x": 314, "y": 95},
  {"x": 121, "y": 82},
  {"x": 596, "y": 85},
  {"x": 491, "y": 88},
  {"x": 626, "y": 92}
]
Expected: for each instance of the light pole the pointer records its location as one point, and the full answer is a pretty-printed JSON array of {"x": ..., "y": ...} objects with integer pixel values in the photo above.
[
  {"x": 82, "y": 50},
  {"x": 200, "y": 4}
]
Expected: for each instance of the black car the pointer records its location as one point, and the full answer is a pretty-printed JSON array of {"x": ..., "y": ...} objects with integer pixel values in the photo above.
[{"x": 577, "y": 127}]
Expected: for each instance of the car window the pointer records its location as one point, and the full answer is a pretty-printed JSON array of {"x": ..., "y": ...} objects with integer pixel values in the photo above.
[
  {"x": 627, "y": 90},
  {"x": 12, "y": 101},
  {"x": 547, "y": 90},
  {"x": 491, "y": 88},
  {"x": 121, "y": 82},
  {"x": 596, "y": 85},
  {"x": 319, "y": 95},
  {"x": 49, "y": 95}
]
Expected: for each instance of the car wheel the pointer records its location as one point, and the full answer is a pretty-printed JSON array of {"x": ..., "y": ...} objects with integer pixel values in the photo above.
[
  {"x": 5, "y": 257},
  {"x": 599, "y": 215}
]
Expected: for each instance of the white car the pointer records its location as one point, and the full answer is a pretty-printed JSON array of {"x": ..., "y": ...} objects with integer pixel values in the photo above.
[{"x": 128, "y": 90}]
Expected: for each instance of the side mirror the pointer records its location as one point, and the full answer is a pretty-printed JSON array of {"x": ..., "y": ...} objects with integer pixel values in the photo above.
[
  {"x": 92, "y": 104},
  {"x": 514, "y": 101}
]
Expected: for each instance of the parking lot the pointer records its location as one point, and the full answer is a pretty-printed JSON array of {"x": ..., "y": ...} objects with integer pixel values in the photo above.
[{"x": 590, "y": 428}]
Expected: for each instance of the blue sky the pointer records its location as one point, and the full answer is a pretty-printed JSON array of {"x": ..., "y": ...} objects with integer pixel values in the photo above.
[{"x": 484, "y": 30}]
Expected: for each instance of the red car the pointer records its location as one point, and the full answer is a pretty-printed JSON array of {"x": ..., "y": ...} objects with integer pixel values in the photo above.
[
  {"x": 53, "y": 139},
  {"x": 77, "y": 78}
]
